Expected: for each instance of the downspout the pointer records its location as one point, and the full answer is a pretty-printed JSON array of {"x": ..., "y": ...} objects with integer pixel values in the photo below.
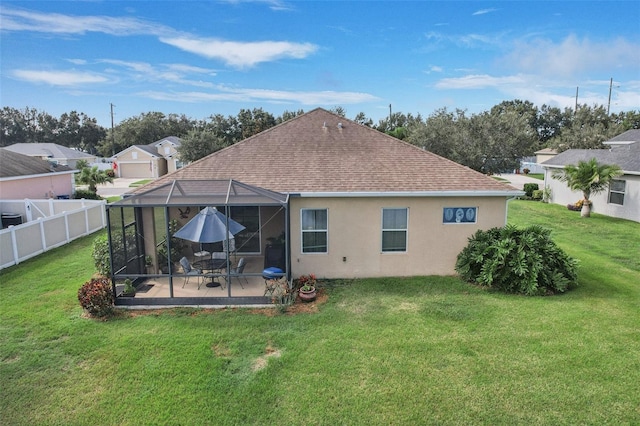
[
  {"x": 506, "y": 209},
  {"x": 287, "y": 239}
]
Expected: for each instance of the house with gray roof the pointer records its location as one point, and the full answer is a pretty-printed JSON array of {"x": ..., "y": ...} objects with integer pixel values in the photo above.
[
  {"x": 316, "y": 194},
  {"x": 148, "y": 161},
  {"x": 622, "y": 199},
  {"x": 23, "y": 176},
  {"x": 53, "y": 153}
]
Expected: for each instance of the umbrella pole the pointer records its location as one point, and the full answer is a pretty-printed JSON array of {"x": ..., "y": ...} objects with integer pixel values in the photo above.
[{"x": 227, "y": 254}]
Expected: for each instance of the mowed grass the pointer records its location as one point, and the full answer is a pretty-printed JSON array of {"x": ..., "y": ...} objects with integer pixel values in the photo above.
[{"x": 420, "y": 350}]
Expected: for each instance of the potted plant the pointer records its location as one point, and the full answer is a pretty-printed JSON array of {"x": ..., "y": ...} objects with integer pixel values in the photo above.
[
  {"x": 129, "y": 290},
  {"x": 148, "y": 263},
  {"x": 307, "y": 287}
]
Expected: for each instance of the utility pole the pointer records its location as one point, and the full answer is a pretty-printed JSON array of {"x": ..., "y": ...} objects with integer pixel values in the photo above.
[
  {"x": 609, "y": 103},
  {"x": 576, "y": 110},
  {"x": 389, "y": 117},
  {"x": 113, "y": 136}
]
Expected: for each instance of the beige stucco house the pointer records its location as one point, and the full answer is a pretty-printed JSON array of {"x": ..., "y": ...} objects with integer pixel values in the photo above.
[
  {"x": 545, "y": 154},
  {"x": 348, "y": 201},
  {"x": 148, "y": 161},
  {"x": 622, "y": 199},
  {"x": 23, "y": 176}
]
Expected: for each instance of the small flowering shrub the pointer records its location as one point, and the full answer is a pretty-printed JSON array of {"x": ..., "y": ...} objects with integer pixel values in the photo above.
[
  {"x": 306, "y": 282},
  {"x": 577, "y": 206},
  {"x": 96, "y": 297}
]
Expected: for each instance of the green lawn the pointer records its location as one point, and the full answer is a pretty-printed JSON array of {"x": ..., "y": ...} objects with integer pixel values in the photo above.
[
  {"x": 422, "y": 350},
  {"x": 139, "y": 183},
  {"x": 536, "y": 175}
]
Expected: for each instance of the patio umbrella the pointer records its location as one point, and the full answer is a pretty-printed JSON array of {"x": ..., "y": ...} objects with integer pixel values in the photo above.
[{"x": 209, "y": 226}]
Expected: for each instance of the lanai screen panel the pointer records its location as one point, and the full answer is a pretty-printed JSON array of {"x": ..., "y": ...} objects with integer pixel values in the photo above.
[{"x": 204, "y": 193}]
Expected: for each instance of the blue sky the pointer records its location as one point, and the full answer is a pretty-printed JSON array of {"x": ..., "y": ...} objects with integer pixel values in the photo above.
[{"x": 203, "y": 58}]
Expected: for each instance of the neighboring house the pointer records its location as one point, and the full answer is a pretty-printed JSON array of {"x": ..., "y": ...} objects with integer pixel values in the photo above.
[
  {"x": 22, "y": 176},
  {"x": 148, "y": 161},
  {"x": 530, "y": 164},
  {"x": 545, "y": 154},
  {"x": 622, "y": 199},
  {"x": 54, "y": 153},
  {"x": 359, "y": 203}
]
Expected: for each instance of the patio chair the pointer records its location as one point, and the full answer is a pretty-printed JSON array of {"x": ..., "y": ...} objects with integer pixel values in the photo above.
[
  {"x": 237, "y": 272},
  {"x": 189, "y": 271}
]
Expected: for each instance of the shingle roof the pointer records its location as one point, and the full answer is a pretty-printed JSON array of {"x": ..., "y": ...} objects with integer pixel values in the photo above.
[
  {"x": 626, "y": 156},
  {"x": 13, "y": 164},
  {"x": 321, "y": 152},
  {"x": 628, "y": 136},
  {"x": 173, "y": 139},
  {"x": 50, "y": 150},
  {"x": 149, "y": 149}
]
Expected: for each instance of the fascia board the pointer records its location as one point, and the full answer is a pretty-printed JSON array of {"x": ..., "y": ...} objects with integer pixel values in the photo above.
[{"x": 409, "y": 194}]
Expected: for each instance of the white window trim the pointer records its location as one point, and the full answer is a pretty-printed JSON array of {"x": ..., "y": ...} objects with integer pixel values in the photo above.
[
  {"x": 302, "y": 231},
  {"x": 382, "y": 230},
  {"x": 624, "y": 193}
]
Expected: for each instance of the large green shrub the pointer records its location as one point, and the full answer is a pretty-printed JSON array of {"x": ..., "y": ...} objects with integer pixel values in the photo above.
[
  {"x": 96, "y": 297},
  {"x": 516, "y": 260},
  {"x": 529, "y": 188},
  {"x": 87, "y": 195},
  {"x": 100, "y": 255}
]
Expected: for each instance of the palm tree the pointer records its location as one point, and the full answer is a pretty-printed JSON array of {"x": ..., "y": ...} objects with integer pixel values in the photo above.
[
  {"x": 92, "y": 176},
  {"x": 588, "y": 177}
]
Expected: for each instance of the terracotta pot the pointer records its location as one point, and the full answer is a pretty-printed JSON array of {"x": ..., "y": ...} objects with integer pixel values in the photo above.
[{"x": 308, "y": 296}]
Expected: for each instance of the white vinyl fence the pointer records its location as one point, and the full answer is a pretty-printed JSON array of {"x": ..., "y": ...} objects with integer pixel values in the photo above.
[{"x": 46, "y": 224}]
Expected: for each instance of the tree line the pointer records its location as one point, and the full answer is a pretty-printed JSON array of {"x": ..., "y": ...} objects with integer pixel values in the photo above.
[{"x": 489, "y": 141}]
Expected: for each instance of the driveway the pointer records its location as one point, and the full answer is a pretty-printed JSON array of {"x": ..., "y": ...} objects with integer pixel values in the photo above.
[
  {"x": 118, "y": 187},
  {"x": 519, "y": 180}
]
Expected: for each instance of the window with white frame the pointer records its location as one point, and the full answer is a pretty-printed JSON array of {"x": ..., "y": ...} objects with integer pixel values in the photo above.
[
  {"x": 395, "y": 223},
  {"x": 179, "y": 164},
  {"x": 314, "y": 230},
  {"x": 134, "y": 155},
  {"x": 616, "y": 191}
]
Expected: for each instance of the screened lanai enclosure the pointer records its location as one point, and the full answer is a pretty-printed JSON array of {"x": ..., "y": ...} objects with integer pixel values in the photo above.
[{"x": 198, "y": 242}]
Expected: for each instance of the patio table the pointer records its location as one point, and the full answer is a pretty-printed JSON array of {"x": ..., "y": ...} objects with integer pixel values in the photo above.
[{"x": 209, "y": 266}]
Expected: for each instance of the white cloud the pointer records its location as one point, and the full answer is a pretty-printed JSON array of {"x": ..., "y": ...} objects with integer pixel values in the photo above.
[
  {"x": 59, "y": 78},
  {"x": 77, "y": 61},
  {"x": 241, "y": 54},
  {"x": 228, "y": 94},
  {"x": 434, "y": 69},
  {"x": 479, "y": 82},
  {"x": 273, "y": 4},
  {"x": 483, "y": 12},
  {"x": 233, "y": 53},
  {"x": 471, "y": 40},
  {"x": 542, "y": 90},
  {"x": 57, "y": 23},
  {"x": 175, "y": 73},
  {"x": 572, "y": 56}
]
